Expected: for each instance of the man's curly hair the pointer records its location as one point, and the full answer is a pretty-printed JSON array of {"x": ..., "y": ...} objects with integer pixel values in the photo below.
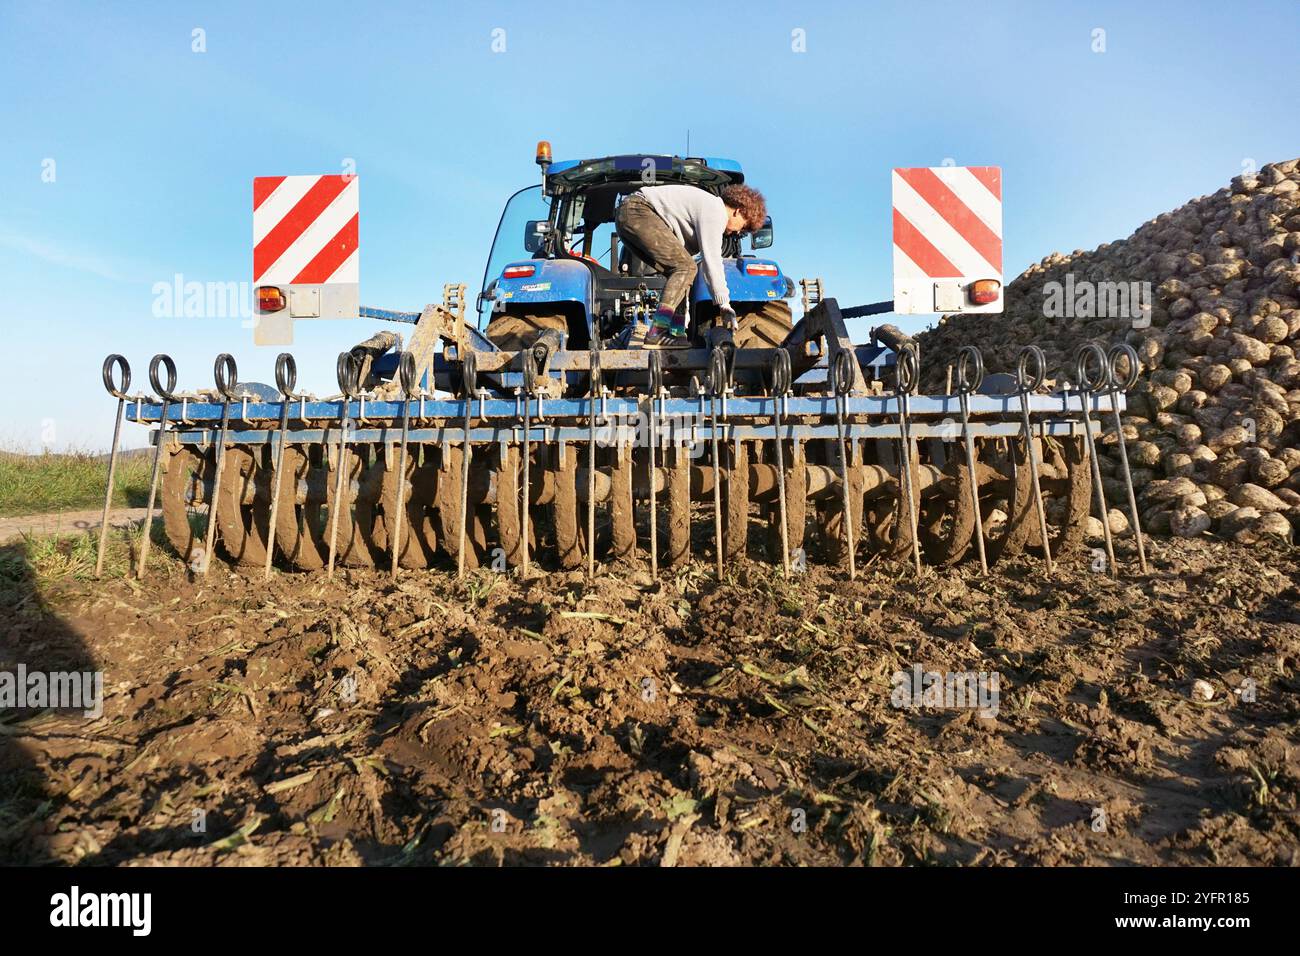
[{"x": 749, "y": 201}]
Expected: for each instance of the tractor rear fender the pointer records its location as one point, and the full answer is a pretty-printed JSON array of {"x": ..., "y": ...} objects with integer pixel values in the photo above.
[
  {"x": 551, "y": 280},
  {"x": 748, "y": 280}
]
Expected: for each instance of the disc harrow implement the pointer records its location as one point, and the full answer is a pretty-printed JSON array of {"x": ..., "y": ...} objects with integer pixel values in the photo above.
[{"x": 549, "y": 458}]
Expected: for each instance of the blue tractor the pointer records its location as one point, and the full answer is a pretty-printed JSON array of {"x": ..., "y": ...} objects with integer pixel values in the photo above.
[{"x": 557, "y": 262}]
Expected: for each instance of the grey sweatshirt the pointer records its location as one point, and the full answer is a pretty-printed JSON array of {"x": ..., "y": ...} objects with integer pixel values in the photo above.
[{"x": 698, "y": 218}]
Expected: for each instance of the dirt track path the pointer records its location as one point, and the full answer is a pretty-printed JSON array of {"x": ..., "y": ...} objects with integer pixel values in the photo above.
[{"x": 65, "y": 522}]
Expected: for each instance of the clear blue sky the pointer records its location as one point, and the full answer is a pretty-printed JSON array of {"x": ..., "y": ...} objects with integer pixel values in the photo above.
[{"x": 154, "y": 145}]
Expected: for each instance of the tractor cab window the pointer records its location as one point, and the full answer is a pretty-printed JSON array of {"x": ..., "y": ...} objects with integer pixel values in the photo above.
[
  {"x": 586, "y": 221},
  {"x": 523, "y": 212}
]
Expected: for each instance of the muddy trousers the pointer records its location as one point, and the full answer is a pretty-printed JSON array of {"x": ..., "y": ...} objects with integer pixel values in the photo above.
[{"x": 642, "y": 229}]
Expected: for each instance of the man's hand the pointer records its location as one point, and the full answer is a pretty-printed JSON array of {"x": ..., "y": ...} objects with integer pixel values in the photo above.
[{"x": 728, "y": 316}]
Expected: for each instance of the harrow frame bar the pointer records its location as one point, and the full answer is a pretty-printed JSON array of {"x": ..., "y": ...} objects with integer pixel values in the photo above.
[
  {"x": 305, "y": 412},
  {"x": 451, "y": 434}
]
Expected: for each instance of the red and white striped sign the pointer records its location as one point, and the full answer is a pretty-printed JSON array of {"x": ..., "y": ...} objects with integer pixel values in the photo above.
[
  {"x": 947, "y": 234},
  {"x": 305, "y": 229},
  {"x": 305, "y": 234}
]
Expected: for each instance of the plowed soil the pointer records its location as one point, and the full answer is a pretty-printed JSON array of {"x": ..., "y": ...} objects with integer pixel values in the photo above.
[{"x": 677, "y": 722}]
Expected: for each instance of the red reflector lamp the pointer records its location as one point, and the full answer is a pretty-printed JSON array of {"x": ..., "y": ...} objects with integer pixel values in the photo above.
[
  {"x": 270, "y": 298},
  {"x": 518, "y": 272},
  {"x": 984, "y": 291},
  {"x": 761, "y": 269}
]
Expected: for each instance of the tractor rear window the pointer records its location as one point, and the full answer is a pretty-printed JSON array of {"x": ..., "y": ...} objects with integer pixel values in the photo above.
[{"x": 524, "y": 207}]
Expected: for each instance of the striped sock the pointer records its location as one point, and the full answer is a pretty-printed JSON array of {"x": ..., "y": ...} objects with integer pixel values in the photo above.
[{"x": 664, "y": 317}]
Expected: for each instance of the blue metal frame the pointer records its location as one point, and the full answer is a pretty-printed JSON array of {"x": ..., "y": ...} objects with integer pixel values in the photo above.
[
  {"x": 875, "y": 406},
  {"x": 671, "y": 433},
  {"x": 388, "y": 315}
]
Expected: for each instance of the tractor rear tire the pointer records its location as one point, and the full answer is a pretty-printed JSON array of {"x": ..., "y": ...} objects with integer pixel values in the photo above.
[
  {"x": 513, "y": 333},
  {"x": 763, "y": 325}
]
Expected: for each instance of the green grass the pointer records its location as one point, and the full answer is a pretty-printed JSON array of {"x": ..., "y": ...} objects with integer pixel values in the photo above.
[
  {"x": 43, "y": 559},
  {"x": 30, "y": 566},
  {"x": 39, "y": 484}
]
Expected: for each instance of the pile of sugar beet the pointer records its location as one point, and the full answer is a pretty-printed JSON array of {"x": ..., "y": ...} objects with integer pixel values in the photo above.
[{"x": 1213, "y": 425}]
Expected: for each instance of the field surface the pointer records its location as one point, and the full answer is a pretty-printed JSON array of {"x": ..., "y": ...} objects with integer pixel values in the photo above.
[{"x": 677, "y": 722}]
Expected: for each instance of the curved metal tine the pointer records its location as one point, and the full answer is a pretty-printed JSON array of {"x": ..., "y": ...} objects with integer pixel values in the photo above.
[
  {"x": 908, "y": 445},
  {"x": 971, "y": 355},
  {"x": 1127, "y": 353},
  {"x": 1087, "y": 389},
  {"x": 1025, "y": 384},
  {"x": 530, "y": 372},
  {"x": 841, "y": 381},
  {"x": 348, "y": 373},
  {"x": 469, "y": 375},
  {"x": 717, "y": 383},
  {"x": 781, "y": 373},
  {"x": 465, "y": 451},
  {"x": 337, "y": 503},
  {"x": 406, "y": 380},
  {"x": 108, "y": 492},
  {"x": 167, "y": 394},
  {"x": 909, "y": 373},
  {"x": 653, "y": 474},
  {"x": 119, "y": 391},
  {"x": 209, "y": 534},
  {"x": 146, "y": 529},
  {"x": 656, "y": 396},
  {"x": 227, "y": 376},
  {"x": 594, "y": 385},
  {"x": 286, "y": 378}
]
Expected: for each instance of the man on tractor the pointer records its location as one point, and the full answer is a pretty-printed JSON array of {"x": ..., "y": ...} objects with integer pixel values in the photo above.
[{"x": 667, "y": 226}]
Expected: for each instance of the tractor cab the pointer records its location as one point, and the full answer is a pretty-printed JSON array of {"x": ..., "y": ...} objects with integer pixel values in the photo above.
[{"x": 557, "y": 262}]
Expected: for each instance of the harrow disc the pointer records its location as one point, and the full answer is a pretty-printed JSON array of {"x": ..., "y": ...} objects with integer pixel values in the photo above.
[
  {"x": 1011, "y": 461},
  {"x": 830, "y": 509},
  {"x": 299, "y": 526},
  {"x": 242, "y": 526},
  {"x": 360, "y": 493},
  {"x": 564, "y": 506},
  {"x": 509, "y": 518},
  {"x": 622, "y": 543},
  {"x": 796, "y": 503},
  {"x": 887, "y": 525},
  {"x": 947, "y": 521},
  {"x": 447, "y": 505},
  {"x": 735, "y": 500},
  {"x": 678, "y": 504},
  {"x": 419, "y": 538},
  {"x": 424, "y": 491},
  {"x": 1070, "y": 481},
  {"x": 186, "y": 482}
]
